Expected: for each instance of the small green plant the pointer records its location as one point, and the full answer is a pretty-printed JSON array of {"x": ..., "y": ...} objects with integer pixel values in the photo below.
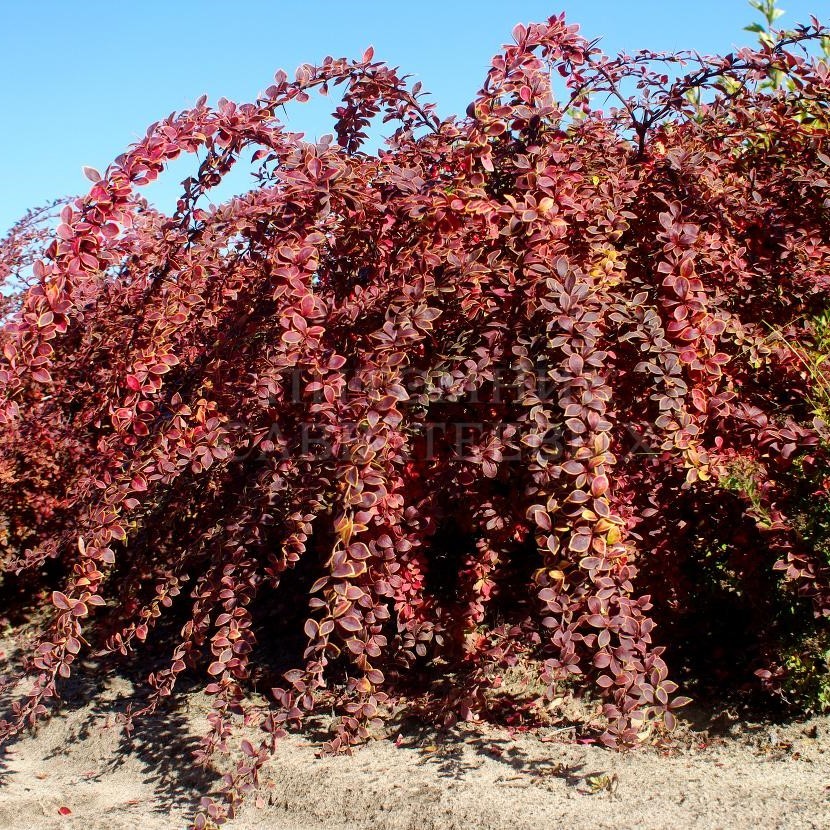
[
  {"x": 743, "y": 477},
  {"x": 770, "y": 12},
  {"x": 811, "y": 514},
  {"x": 768, "y": 36},
  {"x": 603, "y": 782},
  {"x": 821, "y": 332},
  {"x": 806, "y": 673},
  {"x": 811, "y": 350}
]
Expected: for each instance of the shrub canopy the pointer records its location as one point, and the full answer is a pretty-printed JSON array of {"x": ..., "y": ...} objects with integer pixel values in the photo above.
[{"x": 440, "y": 405}]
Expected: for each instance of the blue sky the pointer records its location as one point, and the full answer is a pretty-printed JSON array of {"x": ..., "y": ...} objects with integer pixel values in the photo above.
[{"x": 82, "y": 80}]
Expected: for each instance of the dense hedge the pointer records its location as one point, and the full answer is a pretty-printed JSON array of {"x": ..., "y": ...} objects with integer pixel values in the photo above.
[{"x": 495, "y": 390}]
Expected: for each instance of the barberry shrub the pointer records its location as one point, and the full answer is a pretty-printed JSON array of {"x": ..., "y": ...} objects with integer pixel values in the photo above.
[{"x": 500, "y": 388}]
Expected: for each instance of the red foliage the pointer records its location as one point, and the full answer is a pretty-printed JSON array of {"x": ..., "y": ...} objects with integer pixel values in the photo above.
[{"x": 459, "y": 383}]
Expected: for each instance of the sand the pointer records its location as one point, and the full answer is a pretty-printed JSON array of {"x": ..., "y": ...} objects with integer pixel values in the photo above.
[{"x": 727, "y": 775}]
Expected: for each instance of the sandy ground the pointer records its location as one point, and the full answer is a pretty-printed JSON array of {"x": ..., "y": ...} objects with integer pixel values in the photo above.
[{"x": 481, "y": 777}]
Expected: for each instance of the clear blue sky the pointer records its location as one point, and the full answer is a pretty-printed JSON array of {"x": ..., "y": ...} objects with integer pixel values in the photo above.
[{"x": 82, "y": 80}]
